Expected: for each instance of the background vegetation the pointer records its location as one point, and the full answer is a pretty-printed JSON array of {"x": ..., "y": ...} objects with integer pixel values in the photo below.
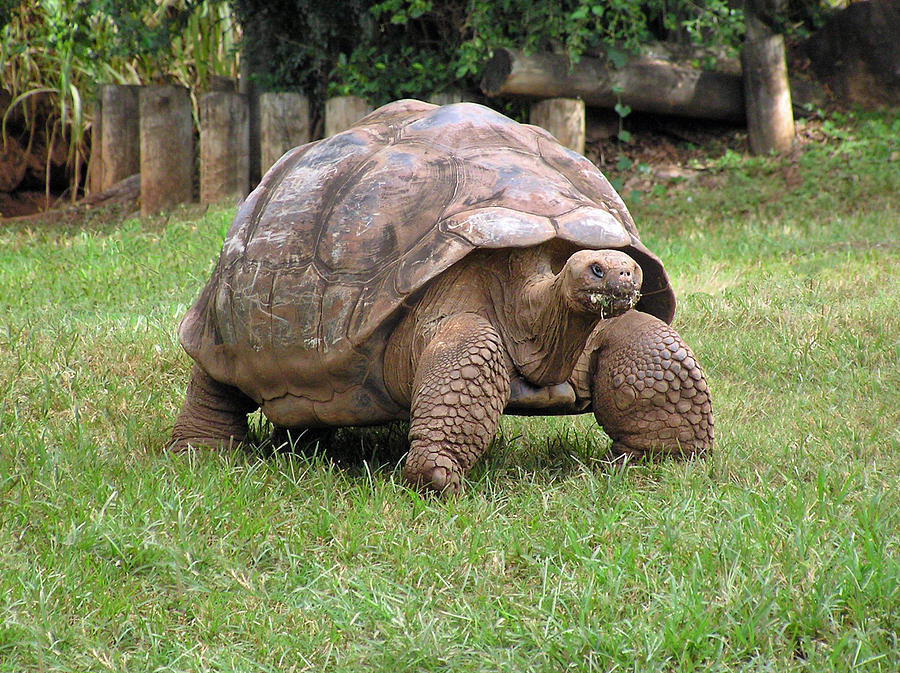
[
  {"x": 56, "y": 53},
  {"x": 781, "y": 552},
  {"x": 413, "y": 48}
]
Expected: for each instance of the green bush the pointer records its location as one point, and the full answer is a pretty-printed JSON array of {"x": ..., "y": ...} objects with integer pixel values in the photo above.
[{"x": 397, "y": 48}]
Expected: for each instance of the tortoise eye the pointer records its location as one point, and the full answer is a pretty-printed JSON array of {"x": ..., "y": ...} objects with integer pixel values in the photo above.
[{"x": 597, "y": 270}]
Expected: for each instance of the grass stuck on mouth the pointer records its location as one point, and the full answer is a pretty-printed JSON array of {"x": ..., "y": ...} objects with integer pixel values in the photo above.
[{"x": 780, "y": 552}]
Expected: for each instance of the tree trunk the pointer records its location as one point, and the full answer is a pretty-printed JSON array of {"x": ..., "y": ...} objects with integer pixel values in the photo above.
[
  {"x": 644, "y": 83},
  {"x": 283, "y": 124},
  {"x": 343, "y": 112},
  {"x": 770, "y": 119},
  {"x": 563, "y": 118},
  {"x": 224, "y": 147},
  {"x": 167, "y": 148}
]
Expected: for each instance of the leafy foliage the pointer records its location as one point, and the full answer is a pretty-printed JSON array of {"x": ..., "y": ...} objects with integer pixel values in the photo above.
[{"x": 395, "y": 48}]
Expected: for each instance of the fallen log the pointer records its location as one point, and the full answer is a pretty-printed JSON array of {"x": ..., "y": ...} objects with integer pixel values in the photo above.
[
  {"x": 123, "y": 195},
  {"x": 644, "y": 83}
]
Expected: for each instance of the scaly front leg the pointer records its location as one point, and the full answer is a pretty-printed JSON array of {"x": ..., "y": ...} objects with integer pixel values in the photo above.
[
  {"x": 648, "y": 391},
  {"x": 460, "y": 388}
]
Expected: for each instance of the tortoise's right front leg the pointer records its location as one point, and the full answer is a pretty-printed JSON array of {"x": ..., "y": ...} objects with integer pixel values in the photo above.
[
  {"x": 460, "y": 388},
  {"x": 213, "y": 414}
]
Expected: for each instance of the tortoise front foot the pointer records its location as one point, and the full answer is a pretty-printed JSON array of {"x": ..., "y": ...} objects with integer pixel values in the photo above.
[
  {"x": 649, "y": 393},
  {"x": 213, "y": 415},
  {"x": 460, "y": 387}
]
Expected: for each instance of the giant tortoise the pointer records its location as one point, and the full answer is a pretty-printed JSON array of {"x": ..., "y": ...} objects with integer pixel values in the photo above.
[{"x": 440, "y": 265}]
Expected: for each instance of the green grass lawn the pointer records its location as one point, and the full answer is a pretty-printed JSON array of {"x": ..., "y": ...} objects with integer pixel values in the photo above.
[{"x": 781, "y": 552}]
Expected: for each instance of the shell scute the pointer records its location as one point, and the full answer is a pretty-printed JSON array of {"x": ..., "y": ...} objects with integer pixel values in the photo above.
[{"x": 374, "y": 219}]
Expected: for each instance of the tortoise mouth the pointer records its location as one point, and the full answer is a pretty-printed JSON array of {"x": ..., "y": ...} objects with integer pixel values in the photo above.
[{"x": 609, "y": 304}]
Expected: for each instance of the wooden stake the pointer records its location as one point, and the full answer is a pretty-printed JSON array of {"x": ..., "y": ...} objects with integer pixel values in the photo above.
[
  {"x": 119, "y": 133},
  {"x": 167, "y": 147},
  {"x": 563, "y": 118},
  {"x": 770, "y": 119},
  {"x": 283, "y": 125},
  {"x": 343, "y": 112},
  {"x": 224, "y": 147}
]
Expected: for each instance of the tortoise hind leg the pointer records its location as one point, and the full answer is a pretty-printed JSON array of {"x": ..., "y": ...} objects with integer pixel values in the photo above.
[
  {"x": 648, "y": 391},
  {"x": 213, "y": 414},
  {"x": 460, "y": 388}
]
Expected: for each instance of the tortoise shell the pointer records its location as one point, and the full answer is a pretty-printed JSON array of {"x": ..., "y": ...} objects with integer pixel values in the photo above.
[{"x": 341, "y": 232}]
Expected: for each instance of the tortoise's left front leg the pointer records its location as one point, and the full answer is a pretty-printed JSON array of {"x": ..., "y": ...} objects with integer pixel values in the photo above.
[{"x": 648, "y": 391}]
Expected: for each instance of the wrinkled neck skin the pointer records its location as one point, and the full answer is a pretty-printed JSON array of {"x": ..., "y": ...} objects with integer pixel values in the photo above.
[
  {"x": 519, "y": 293},
  {"x": 544, "y": 332}
]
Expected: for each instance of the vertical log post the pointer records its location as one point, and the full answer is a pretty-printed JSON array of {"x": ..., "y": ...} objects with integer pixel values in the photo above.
[
  {"x": 224, "y": 146},
  {"x": 247, "y": 86},
  {"x": 283, "y": 124},
  {"x": 563, "y": 118},
  {"x": 167, "y": 147},
  {"x": 95, "y": 163},
  {"x": 120, "y": 133},
  {"x": 448, "y": 97},
  {"x": 770, "y": 119},
  {"x": 343, "y": 112}
]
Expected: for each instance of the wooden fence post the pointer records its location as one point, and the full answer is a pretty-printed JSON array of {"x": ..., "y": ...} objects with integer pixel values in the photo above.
[
  {"x": 224, "y": 146},
  {"x": 448, "y": 97},
  {"x": 770, "y": 118},
  {"x": 119, "y": 144},
  {"x": 563, "y": 118},
  {"x": 167, "y": 147},
  {"x": 343, "y": 112},
  {"x": 283, "y": 124},
  {"x": 95, "y": 163},
  {"x": 247, "y": 86}
]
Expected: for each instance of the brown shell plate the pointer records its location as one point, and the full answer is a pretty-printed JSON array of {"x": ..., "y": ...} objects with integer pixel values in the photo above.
[{"x": 340, "y": 232}]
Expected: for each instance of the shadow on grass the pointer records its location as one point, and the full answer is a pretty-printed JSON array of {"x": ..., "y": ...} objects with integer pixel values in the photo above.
[
  {"x": 360, "y": 452},
  {"x": 355, "y": 450}
]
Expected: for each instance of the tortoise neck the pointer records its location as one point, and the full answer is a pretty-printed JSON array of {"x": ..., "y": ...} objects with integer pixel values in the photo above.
[
  {"x": 545, "y": 333},
  {"x": 516, "y": 291}
]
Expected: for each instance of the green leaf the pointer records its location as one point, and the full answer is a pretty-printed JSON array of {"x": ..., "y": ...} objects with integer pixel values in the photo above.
[
  {"x": 623, "y": 163},
  {"x": 624, "y": 136},
  {"x": 616, "y": 56},
  {"x": 622, "y": 110}
]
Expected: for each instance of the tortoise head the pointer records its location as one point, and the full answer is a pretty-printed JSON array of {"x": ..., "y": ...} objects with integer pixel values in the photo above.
[{"x": 605, "y": 283}]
